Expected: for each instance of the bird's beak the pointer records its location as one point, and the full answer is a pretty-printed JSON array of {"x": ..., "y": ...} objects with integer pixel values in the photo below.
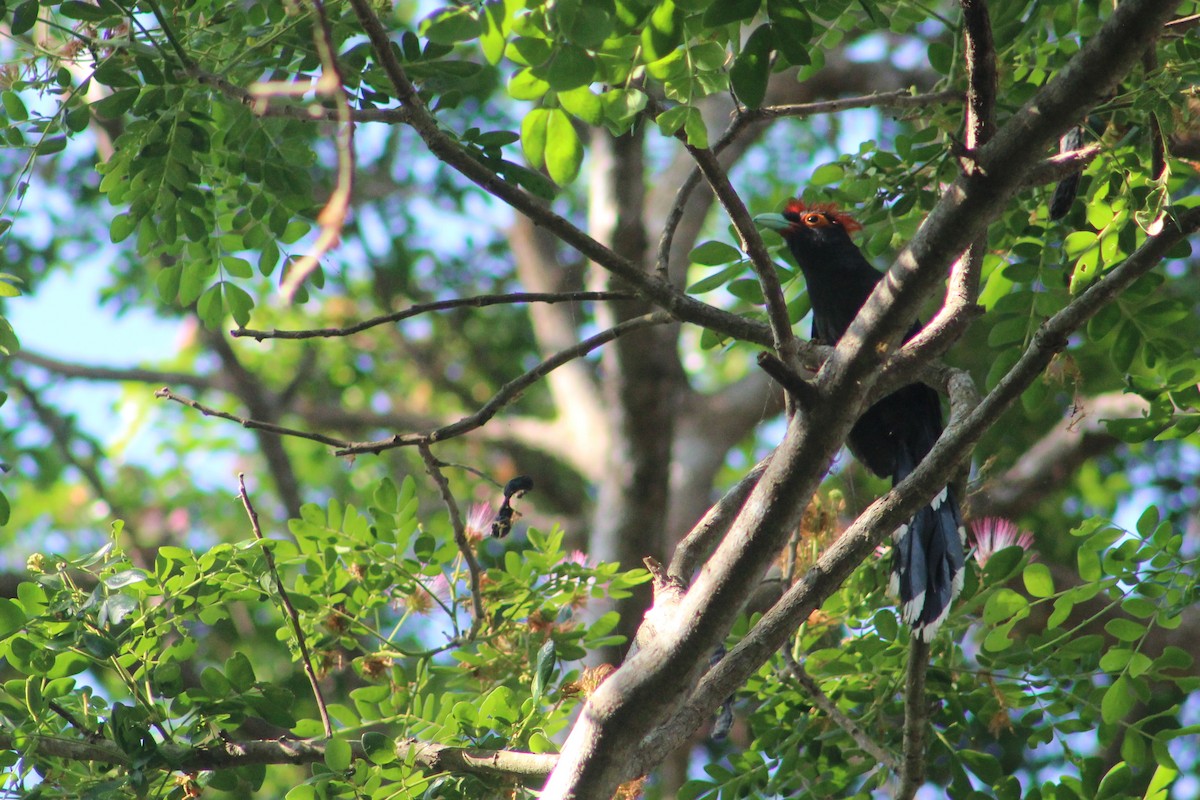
[{"x": 772, "y": 222}]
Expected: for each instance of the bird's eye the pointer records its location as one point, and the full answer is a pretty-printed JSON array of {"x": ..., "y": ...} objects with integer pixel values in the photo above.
[{"x": 812, "y": 219}]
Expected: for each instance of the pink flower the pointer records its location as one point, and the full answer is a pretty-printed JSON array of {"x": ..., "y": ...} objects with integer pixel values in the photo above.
[
  {"x": 577, "y": 557},
  {"x": 479, "y": 522},
  {"x": 993, "y": 534}
]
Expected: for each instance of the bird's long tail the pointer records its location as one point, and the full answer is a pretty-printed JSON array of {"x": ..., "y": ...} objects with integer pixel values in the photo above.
[{"x": 927, "y": 564}]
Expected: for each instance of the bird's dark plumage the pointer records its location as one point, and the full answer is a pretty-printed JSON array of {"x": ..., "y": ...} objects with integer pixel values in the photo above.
[{"x": 892, "y": 436}]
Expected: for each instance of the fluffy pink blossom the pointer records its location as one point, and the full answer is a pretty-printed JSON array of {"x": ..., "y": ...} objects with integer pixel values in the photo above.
[
  {"x": 992, "y": 534},
  {"x": 479, "y": 522}
]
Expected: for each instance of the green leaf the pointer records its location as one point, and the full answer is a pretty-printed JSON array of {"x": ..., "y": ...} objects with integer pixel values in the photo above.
[
  {"x": 1117, "y": 780},
  {"x": 664, "y": 31},
  {"x": 14, "y": 106},
  {"x": 564, "y": 151},
  {"x": 752, "y": 67},
  {"x": 621, "y": 106},
  {"x": 303, "y": 791},
  {"x": 75, "y": 9},
  {"x": 694, "y": 127},
  {"x": 1106, "y": 319},
  {"x": 1125, "y": 347},
  {"x": 569, "y": 68},
  {"x": 240, "y": 672},
  {"x": 671, "y": 120},
  {"x": 524, "y": 85},
  {"x": 1118, "y": 701},
  {"x": 378, "y": 748},
  {"x": 717, "y": 279},
  {"x": 713, "y": 253},
  {"x": 541, "y": 743},
  {"x": 237, "y": 267},
  {"x": 584, "y": 104},
  {"x": 24, "y": 17},
  {"x": 1038, "y": 581},
  {"x": 216, "y": 684},
  {"x": 116, "y": 103},
  {"x": 112, "y": 73},
  {"x": 747, "y": 289},
  {"x": 121, "y": 226},
  {"x": 451, "y": 25},
  {"x": 589, "y": 26},
  {"x": 1063, "y": 606},
  {"x": 337, "y": 754},
  {"x": 985, "y": 765},
  {"x": 1003, "y": 605},
  {"x": 533, "y": 136},
  {"x": 544, "y": 669},
  {"x": 941, "y": 57},
  {"x": 495, "y": 29},
  {"x": 1125, "y": 630},
  {"x": 827, "y": 174},
  {"x": 793, "y": 30},
  {"x": 629, "y": 14},
  {"x": 210, "y": 307},
  {"x": 239, "y": 302},
  {"x": 125, "y": 578},
  {"x": 12, "y": 618},
  {"x": 997, "y": 639},
  {"x": 1160, "y": 783},
  {"x": 727, "y": 11},
  {"x": 1115, "y": 659}
]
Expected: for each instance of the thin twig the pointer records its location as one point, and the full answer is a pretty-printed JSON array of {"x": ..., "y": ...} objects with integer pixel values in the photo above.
[
  {"x": 901, "y": 98},
  {"x": 795, "y": 385},
  {"x": 479, "y": 301},
  {"x": 74, "y": 722},
  {"x": 433, "y": 467},
  {"x": 308, "y": 112},
  {"x": 508, "y": 392},
  {"x": 478, "y": 473},
  {"x": 823, "y": 702},
  {"x": 751, "y": 241},
  {"x": 251, "y": 424},
  {"x": 333, "y": 216},
  {"x": 289, "y": 609}
]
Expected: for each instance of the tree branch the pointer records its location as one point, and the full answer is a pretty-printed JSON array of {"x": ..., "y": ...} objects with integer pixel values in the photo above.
[
  {"x": 332, "y": 218},
  {"x": 433, "y": 467},
  {"x": 165, "y": 393},
  {"x": 479, "y": 301},
  {"x": 751, "y": 240},
  {"x": 293, "y": 616},
  {"x": 70, "y": 369},
  {"x": 823, "y": 702},
  {"x": 430, "y": 757},
  {"x": 507, "y": 393}
]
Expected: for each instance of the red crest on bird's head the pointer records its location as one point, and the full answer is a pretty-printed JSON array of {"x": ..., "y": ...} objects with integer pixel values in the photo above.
[{"x": 818, "y": 215}]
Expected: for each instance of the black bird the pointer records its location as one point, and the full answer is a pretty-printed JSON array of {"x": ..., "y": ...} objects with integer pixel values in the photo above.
[{"x": 892, "y": 436}]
